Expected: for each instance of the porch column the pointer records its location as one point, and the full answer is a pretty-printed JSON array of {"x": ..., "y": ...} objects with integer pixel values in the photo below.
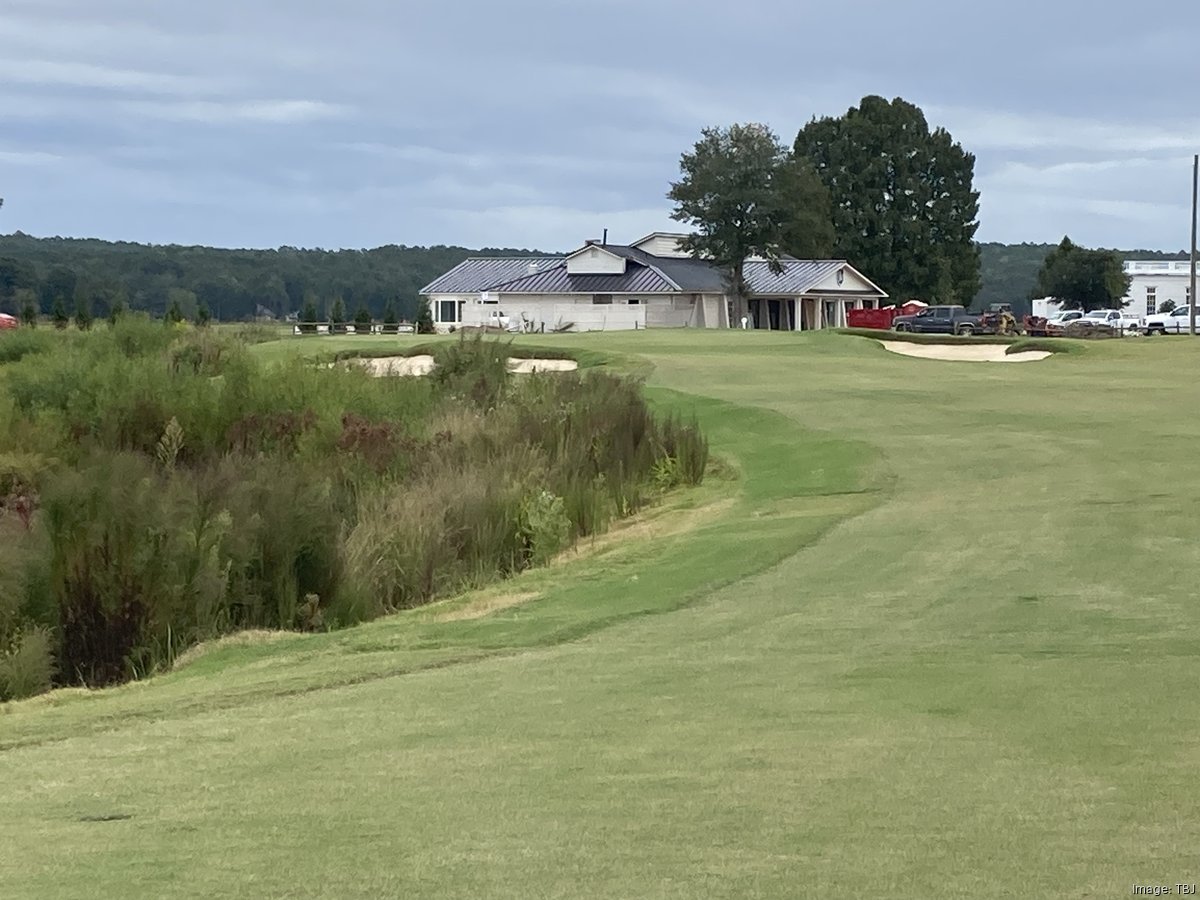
[{"x": 819, "y": 313}]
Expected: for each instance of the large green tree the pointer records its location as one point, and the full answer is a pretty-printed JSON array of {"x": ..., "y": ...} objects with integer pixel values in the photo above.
[
  {"x": 1079, "y": 278},
  {"x": 904, "y": 206},
  {"x": 745, "y": 195}
]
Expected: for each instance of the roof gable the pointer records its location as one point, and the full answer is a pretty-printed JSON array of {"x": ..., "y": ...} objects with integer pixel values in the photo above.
[
  {"x": 594, "y": 259},
  {"x": 662, "y": 244},
  {"x": 801, "y": 276}
]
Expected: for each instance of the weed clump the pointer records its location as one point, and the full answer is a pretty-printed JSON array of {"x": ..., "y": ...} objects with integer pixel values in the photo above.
[{"x": 162, "y": 487}]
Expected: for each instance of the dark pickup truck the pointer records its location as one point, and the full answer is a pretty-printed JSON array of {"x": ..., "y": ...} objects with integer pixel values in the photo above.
[{"x": 940, "y": 320}]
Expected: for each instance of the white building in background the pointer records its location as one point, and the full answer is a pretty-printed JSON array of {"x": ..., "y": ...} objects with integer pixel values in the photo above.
[
  {"x": 651, "y": 283},
  {"x": 1152, "y": 282},
  {"x": 1156, "y": 280}
]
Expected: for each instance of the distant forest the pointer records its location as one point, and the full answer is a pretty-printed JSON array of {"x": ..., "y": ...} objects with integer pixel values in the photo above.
[
  {"x": 233, "y": 284},
  {"x": 240, "y": 284}
]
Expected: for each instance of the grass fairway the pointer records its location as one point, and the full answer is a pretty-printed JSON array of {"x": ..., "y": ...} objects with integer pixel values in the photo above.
[{"x": 938, "y": 637}]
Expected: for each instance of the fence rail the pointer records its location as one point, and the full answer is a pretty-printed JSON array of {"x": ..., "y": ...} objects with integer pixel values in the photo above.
[{"x": 309, "y": 328}]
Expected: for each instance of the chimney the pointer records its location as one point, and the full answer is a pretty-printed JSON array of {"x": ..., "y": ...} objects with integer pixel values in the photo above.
[
  {"x": 604, "y": 240},
  {"x": 531, "y": 268}
]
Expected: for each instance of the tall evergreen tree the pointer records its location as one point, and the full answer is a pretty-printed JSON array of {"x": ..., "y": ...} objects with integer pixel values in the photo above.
[
  {"x": 83, "y": 313},
  {"x": 362, "y": 320},
  {"x": 904, "y": 206},
  {"x": 116, "y": 309},
  {"x": 29, "y": 313},
  {"x": 203, "y": 314},
  {"x": 745, "y": 195},
  {"x": 174, "y": 313},
  {"x": 424, "y": 317},
  {"x": 58, "y": 312},
  {"x": 337, "y": 315}
]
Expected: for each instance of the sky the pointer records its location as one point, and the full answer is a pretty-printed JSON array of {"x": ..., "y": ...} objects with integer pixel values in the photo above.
[{"x": 538, "y": 123}]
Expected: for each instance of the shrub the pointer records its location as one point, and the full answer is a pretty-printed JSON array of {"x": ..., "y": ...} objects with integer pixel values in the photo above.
[
  {"x": 83, "y": 314},
  {"x": 26, "y": 664},
  {"x": 187, "y": 490},
  {"x": 424, "y": 317},
  {"x": 17, "y": 344},
  {"x": 29, "y": 314},
  {"x": 474, "y": 369},
  {"x": 58, "y": 313},
  {"x": 544, "y": 525},
  {"x": 362, "y": 320}
]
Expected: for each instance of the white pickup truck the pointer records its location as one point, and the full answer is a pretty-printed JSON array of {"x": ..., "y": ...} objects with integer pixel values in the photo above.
[
  {"x": 1116, "y": 319},
  {"x": 1174, "y": 322}
]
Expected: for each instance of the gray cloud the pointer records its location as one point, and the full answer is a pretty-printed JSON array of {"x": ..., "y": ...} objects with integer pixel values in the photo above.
[{"x": 537, "y": 123}]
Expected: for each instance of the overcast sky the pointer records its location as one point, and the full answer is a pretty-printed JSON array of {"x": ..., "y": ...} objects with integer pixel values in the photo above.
[{"x": 537, "y": 123}]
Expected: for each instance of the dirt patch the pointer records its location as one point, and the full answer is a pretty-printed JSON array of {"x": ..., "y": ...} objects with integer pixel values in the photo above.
[
  {"x": 485, "y": 606},
  {"x": 653, "y": 524},
  {"x": 648, "y": 525},
  {"x": 966, "y": 353},
  {"x": 397, "y": 365},
  {"x": 249, "y": 638}
]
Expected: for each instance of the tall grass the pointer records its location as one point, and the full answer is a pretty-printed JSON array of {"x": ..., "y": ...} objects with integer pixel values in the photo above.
[{"x": 184, "y": 490}]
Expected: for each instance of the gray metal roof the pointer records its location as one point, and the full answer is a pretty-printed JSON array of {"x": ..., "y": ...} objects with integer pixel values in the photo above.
[
  {"x": 687, "y": 275},
  {"x": 646, "y": 274},
  {"x": 637, "y": 279},
  {"x": 480, "y": 273},
  {"x": 798, "y": 275}
]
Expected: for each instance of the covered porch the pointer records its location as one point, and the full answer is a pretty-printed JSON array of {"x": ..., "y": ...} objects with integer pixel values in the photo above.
[{"x": 809, "y": 312}]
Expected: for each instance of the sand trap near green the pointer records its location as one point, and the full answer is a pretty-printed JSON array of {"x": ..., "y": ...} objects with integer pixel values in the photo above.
[{"x": 971, "y": 353}]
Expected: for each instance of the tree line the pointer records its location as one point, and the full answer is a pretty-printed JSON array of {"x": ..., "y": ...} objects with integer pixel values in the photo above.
[
  {"x": 877, "y": 186},
  {"x": 69, "y": 277}
]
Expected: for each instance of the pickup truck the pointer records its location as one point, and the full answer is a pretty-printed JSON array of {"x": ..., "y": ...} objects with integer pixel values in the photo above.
[
  {"x": 1177, "y": 321},
  {"x": 940, "y": 320}
]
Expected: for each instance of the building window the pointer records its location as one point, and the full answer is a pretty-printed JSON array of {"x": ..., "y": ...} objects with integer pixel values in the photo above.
[
  {"x": 634, "y": 301},
  {"x": 1151, "y": 301},
  {"x": 602, "y": 299},
  {"x": 447, "y": 310}
]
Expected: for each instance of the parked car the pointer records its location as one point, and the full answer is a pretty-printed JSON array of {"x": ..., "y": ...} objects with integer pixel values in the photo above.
[
  {"x": 939, "y": 320},
  {"x": 7, "y": 321},
  {"x": 1057, "y": 322},
  {"x": 1177, "y": 321},
  {"x": 1113, "y": 318}
]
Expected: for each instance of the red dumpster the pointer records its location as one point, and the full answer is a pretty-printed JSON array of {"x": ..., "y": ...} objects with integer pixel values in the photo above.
[{"x": 871, "y": 318}]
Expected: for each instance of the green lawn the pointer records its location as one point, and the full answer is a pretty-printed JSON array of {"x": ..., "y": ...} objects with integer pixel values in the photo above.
[{"x": 935, "y": 635}]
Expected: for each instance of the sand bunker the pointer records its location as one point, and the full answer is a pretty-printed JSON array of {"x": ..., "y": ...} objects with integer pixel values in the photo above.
[
  {"x": 398, "y": 365},
  {"x": 423, "y": 365},
  {"x": 971, "y": 353},
  {"x": 529, "y": 366}
]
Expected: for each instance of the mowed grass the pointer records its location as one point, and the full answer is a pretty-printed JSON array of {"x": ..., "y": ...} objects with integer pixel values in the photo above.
[{"x": 938, "y": 637}]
